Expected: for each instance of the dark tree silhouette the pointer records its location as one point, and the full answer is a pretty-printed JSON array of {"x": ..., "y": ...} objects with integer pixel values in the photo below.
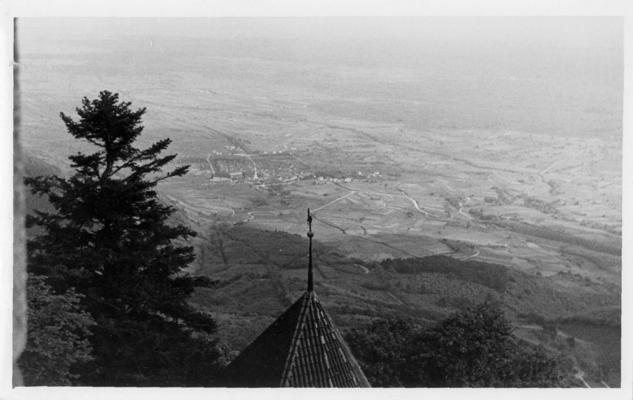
[
  {"x": 382, "y": 348},
  {"x": 475, "y": 348},
  {"x": 108, "y": 237},
  {"x": 472, "y": 348}
]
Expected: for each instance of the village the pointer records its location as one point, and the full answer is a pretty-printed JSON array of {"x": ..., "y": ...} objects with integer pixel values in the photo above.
[{"x": 273, "y": 168}]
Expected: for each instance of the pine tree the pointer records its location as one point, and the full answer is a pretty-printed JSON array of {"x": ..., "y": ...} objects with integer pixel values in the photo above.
[{"x": 109, "y": 238}]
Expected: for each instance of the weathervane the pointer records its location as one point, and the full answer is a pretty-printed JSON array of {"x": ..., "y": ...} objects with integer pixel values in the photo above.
[{"x": 310, "y": 235}]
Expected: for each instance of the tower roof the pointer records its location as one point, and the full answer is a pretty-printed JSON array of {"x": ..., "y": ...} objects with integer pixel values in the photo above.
[{"x": 302, "y": 348}]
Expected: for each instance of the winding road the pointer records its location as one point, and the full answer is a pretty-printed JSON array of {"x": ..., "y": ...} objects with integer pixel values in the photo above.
[
  {"x": 335, "y": 201},
  {"x": 210, "y": 165},
  {"x": 548, "y": 168},
  {"x": 461, "y": 211},
  {"x": 252, "y": 161},
  {"x": 475, "y": 254},
  {"x": 365, "y": 269},
  {"x": 414, "y": 201},
  {"x": 200, "y": 210}
]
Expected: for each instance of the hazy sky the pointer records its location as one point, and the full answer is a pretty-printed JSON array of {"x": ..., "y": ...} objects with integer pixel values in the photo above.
[
  {"x": 540, "y": 74},
  {"x": 557, "y": 31}
]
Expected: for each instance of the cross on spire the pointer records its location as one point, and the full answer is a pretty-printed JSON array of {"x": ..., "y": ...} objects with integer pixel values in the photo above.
[{"x": 310, "y": 235}]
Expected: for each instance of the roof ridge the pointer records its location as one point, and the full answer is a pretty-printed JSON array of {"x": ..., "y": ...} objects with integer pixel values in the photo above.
[
  {"x": 349, "y": 355},
  {"x": 296, "y": 336}
]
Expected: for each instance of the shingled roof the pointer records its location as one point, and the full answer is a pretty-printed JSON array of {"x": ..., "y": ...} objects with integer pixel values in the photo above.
[{"x": 302, "y": 348}]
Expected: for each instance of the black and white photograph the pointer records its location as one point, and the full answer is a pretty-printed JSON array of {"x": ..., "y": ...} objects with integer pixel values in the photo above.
[{"x": 379, "y": 201}]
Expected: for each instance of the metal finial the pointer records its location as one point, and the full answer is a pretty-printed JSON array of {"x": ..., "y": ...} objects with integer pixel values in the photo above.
[{"x": 310, "y": 235}]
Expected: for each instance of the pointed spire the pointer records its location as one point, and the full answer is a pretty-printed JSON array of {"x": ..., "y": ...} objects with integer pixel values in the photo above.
[{"x": 310, "y": 235}]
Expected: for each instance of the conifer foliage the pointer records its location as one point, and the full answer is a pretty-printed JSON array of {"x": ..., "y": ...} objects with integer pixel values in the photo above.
[
  {"x": 109, "y": 239},
  {"x": 57, "y": 339},
  {"x": 471, "y": 348}
]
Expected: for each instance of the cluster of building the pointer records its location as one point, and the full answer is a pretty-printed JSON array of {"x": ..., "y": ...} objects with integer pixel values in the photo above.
[{"x": 229, "y": 168}]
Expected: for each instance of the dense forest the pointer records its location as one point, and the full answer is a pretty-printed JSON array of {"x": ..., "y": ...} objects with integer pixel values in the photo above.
[{"x": 471, "y": 348}]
